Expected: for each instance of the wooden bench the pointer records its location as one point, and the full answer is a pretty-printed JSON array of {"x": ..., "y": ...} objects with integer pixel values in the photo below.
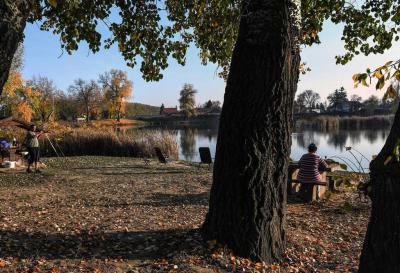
[{"x": 309, "y": 191}]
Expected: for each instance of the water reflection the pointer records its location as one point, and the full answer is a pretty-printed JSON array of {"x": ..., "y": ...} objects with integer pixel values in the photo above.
[
  {"x": 330, "y": 144},
  {"x": 355, "y": 137},
  {"x": 304, "y": 139},
  {"x": 338, "y": 140},
  {"x": 188, "y": 143}
]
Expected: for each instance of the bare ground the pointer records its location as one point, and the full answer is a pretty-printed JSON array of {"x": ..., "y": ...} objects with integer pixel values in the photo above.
[{"x": 101, "y": 214}]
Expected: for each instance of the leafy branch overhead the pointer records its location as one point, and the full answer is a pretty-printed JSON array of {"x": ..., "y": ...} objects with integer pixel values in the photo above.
[
  {"x": 388, "y": 72},
  {"x": 149, "y": 32}
]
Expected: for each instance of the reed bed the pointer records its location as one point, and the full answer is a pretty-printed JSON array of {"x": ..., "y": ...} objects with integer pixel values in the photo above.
[
  {"x": 105, "y": 142},
  {"x": 332, "y": 123}
]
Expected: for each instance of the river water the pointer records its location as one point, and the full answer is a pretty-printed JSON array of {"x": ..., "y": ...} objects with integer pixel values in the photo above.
[{"x": 364, "y": 143}]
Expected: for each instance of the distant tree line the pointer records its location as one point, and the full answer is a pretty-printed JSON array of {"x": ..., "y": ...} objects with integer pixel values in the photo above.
[
  {"x": 39, "y": 98},
  {"x": 338, "y": 101},
  {"x": 187, "y": 103}
]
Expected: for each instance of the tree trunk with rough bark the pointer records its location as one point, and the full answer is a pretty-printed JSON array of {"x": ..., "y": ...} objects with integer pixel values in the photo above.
[
  {"x": 248, "y": 196},
  {"x": 381, "y": 251},
  {"x": 13, "y": 16}
]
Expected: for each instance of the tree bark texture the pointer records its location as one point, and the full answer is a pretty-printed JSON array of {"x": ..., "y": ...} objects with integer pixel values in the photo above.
[
  {"x": 381, "y": 251},
  {"x": 13, "y": 16},
  {"x": 248, "y": 196}
]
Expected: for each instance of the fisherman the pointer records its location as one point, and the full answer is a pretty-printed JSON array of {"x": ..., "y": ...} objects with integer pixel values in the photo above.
[
  {"x": 310, "y": 163},
  {"x": 32, "y": 144}
]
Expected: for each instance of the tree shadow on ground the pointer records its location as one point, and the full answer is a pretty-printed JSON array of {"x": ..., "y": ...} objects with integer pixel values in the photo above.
[
  {"x": 141, "y": 245},
  {"x": 161, "y": 200},
  {"x": 295, "y": 199},
  {"x": 165, "y": 199},
  {"x": 147, "y": 173}
]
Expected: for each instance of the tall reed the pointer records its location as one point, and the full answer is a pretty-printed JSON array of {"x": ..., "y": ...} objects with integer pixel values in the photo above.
[
  {"x": 105, "y": 142},
  {"x": 332, "y": 123}
]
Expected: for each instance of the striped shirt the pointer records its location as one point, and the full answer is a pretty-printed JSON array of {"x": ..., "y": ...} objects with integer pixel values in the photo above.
[{"x": 309, "y": 165}]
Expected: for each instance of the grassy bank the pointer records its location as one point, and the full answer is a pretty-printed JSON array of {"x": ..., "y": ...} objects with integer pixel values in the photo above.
[
  {"x": 113, "y": 122},
  {"x": 329, "y": 123}
]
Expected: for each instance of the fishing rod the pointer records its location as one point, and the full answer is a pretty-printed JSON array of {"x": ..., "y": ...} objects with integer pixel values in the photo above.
[
  {"x": 51, "y": 144},
  {"x": 352, "y": 148},
  {"x": 358, "y": 161},
  {"x": 59, "y": 148},
  {"x": 346, "y": 161}
]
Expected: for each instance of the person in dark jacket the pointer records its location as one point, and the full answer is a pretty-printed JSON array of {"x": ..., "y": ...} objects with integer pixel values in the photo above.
[
  {"x": 32, "y": 144},
  {"x": 4, "y": 149}
]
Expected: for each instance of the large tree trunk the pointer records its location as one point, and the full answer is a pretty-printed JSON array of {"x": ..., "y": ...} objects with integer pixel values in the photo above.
[
  {"x": 13, "y": 15},
  {"x": 381, "y": 252},
  {"x": 248, "y": 196}
]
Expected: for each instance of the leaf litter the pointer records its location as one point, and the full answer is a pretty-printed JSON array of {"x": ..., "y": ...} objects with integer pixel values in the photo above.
[{"x": 103, "y": 214}]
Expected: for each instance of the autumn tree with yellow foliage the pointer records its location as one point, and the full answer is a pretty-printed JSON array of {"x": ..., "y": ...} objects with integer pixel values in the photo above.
[
  {"x": 14, "y": 96},
  {"x": 14, "y": 100},
  {"x": 117, "y": 89}
]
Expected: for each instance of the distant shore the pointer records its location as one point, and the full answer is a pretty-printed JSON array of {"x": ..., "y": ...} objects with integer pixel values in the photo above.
[
  {"x": 301, "y": 121},
  {"x": 335, "y": 122}
]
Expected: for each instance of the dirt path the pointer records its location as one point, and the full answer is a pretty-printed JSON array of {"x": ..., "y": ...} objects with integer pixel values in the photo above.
[{"x": 94, "y": 214}]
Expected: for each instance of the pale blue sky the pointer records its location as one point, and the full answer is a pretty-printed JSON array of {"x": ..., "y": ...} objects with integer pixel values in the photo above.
[{"x": 42, "y": 51}]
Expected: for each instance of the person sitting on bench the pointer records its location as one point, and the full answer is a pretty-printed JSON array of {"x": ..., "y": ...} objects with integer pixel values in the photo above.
[{"x": 310, "y": 164}]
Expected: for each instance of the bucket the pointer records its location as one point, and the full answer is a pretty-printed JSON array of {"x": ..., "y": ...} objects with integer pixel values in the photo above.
[{"x": 9, "y": 164}]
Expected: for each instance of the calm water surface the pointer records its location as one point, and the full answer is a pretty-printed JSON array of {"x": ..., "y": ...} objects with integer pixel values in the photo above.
[{"x": 330, "y": 144}]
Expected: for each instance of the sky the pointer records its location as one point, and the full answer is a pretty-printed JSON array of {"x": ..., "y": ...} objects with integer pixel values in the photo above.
[{"x": 43, "y": 56}]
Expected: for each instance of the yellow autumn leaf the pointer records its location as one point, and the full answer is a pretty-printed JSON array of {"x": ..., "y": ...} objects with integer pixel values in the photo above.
[
  {"x": 55, "y": 270},
  {"x": 388, "y": 159},
  {"x": 378, "y": 74},
  {"x": 136, "y": 37},
  {"x": 397, "y": 75},
  {"x": 391, "y": 93},
  {"x": 53, "y": 3}
]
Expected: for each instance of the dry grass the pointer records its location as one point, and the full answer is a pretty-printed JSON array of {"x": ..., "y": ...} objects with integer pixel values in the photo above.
[
  {"x": 106, "y": 142},
  {"x": 113, "y": 122},
  {"x": 332, "y": 123},
  {"x": 102, "y": 141}
]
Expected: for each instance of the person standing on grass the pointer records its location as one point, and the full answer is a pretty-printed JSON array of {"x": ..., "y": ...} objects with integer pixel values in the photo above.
[
  {"x": 310, "y": 164},
  {"x": 32, "y": 144}
]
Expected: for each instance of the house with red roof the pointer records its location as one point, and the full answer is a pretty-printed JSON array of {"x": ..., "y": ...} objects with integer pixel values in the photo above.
[{"x": 170, "y": 111}]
